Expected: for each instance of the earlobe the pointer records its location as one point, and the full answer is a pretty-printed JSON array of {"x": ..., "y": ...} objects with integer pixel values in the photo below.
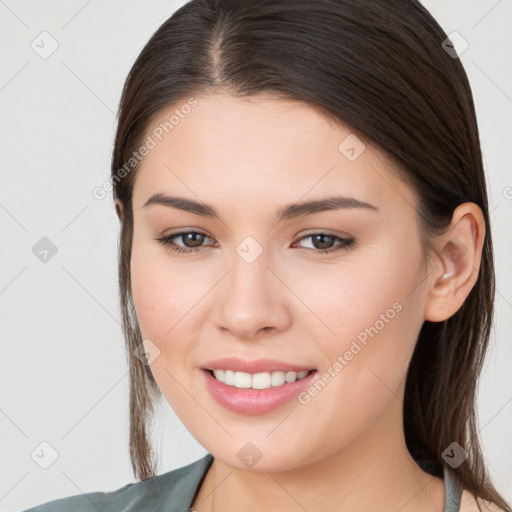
[
  {"x": 119, "y": 209},
  {"x": 459, "y": 255}
]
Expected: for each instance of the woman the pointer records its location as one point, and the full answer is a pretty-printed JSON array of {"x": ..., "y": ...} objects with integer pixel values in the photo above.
[{"x": 305, "y": 264}]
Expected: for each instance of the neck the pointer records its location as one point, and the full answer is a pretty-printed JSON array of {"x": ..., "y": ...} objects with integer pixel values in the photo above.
[{"x": 375, "y": 472}]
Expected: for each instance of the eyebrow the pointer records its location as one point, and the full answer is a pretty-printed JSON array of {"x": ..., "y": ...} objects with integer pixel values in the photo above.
[{"x": 287, "y": 212}]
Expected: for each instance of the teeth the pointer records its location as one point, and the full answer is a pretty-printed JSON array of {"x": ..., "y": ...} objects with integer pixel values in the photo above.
[{"x": 262, "y": 380}]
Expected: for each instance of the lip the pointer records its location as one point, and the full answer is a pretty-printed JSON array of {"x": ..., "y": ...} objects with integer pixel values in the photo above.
[
  {"x": 256, "y": 366},
  {"x": 255, "y": 401}
]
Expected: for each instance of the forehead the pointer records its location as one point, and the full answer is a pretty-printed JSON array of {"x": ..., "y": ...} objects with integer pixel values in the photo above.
[{"x": 260, "y": 148}]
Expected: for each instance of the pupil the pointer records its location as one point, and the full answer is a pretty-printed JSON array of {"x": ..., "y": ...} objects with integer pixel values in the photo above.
[
  {"x": 323, "y": 237},
  {"x": 196, "y": 237}
]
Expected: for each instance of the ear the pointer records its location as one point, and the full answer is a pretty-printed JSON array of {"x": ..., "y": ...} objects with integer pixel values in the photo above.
[
  {"x": 459, "y": 253},
  {"x": 119, "y": 209}
]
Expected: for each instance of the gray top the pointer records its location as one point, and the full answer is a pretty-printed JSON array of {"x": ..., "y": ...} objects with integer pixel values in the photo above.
[
  {"x": 453, "y": 490},
  {"x": 176, "y": 490}
]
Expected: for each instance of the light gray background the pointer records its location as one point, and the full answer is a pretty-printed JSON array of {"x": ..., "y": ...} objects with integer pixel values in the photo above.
[{"x": 63, "y": 375}]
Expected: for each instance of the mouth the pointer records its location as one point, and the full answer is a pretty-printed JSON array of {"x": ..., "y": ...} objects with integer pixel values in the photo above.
[
  {"x": 258, "y": 393},
  {"x": 260, "y": 380}
]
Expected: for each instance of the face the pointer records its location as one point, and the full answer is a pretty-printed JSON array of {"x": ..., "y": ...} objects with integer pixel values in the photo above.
[{"x": 338, "y": 290}]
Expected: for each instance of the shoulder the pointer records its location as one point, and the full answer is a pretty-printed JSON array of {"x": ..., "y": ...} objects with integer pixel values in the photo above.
[
  {"x": 468, "y": 503},
  {"x": 176, "y": 487}
]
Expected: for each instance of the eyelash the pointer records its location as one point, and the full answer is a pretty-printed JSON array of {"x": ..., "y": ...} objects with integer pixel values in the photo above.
[{"x": 347, "y": 243}]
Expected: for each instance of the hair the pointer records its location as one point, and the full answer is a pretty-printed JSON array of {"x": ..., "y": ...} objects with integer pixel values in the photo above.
[{"x": 379, "y": 67}]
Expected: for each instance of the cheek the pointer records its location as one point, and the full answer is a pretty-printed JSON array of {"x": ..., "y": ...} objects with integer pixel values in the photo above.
[
  {"x": 362, "y": 295},
  {"x": 161, "y": 305},
  {"x": 375, "y": 323},
  {"x": 370, "y": 320},
  {"x": 147, "y": 292},
  {"x": 163, "y": 292}
]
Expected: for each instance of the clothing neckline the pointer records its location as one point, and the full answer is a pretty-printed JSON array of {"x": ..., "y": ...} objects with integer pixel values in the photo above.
[{"x": 452, "y": 485}]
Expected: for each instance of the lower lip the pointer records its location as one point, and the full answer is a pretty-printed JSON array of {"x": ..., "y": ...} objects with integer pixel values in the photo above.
[{"x": 255, "y": 401}]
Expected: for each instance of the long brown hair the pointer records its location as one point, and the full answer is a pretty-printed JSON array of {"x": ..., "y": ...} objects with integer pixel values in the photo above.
[{"x": 378, "y": 66}]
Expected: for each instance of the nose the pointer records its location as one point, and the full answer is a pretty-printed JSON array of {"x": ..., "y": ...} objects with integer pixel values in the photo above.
[{"x": 252, "y": 301}]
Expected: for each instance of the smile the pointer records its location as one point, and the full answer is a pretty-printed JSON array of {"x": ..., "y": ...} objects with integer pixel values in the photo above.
[
  {"x": 251, "y": 400},
  {"x": 262, "y": 380}
]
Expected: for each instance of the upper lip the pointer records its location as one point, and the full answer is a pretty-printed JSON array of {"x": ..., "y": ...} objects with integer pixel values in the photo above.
[{"x": 254, "y": 366}]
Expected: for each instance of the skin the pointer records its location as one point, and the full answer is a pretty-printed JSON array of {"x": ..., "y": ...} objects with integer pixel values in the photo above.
[{"x": 345, "y": 450}]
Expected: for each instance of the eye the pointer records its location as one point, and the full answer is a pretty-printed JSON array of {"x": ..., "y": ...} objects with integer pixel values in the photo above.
[
  {"x": 195, "y": 238},
  {"x": 322, "y": 242}
]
